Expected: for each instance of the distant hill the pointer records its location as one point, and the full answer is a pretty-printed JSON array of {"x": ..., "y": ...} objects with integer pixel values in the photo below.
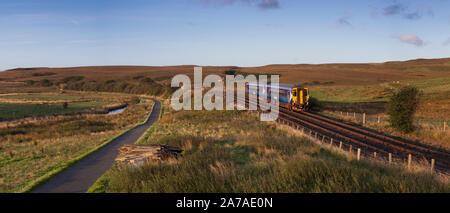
[{"x": 337, "y": 73}]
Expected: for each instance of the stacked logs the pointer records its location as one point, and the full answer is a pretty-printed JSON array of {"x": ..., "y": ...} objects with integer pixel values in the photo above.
[{"x": 139, "y": 154}]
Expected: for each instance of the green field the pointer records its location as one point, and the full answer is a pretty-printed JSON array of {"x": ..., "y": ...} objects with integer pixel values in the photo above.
[
  {"x": 42, "y": 97},
  {"x": 13, "y": 111}
]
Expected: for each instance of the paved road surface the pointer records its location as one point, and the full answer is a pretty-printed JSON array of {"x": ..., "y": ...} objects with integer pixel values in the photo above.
[{"x": 82, "y": 175}]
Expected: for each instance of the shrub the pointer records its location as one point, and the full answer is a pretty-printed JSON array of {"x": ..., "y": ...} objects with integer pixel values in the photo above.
[
  {"x": 42, "y": 74},
  {"x": 73, "y": 79},
  {"x": 137, "y": 77},
  {"x": 45, "y": 83},
  {"x": 30, "y": 82},
  {"x": 401, "y": 107},
  {"x": 147, "y": 80},
  {"x": 314, "y": 104},
  {"x": 230, "y": 72}
]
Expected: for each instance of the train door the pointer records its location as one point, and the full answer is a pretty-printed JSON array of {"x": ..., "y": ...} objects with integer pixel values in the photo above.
[
  {"x": 294, "y": 95},
  {"x": 305, "y": 96},
  {"x": 300, "y": 96}
]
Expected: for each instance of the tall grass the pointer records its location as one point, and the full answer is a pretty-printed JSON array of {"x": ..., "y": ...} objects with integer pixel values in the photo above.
[{"x": 232, "y": 151}]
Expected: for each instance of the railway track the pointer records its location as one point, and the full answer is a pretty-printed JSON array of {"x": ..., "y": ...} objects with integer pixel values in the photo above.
[{"x": 369, "y": 141}]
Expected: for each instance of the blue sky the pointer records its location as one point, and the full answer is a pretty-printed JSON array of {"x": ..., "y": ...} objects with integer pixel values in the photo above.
[{"x": 59, "y": 33}]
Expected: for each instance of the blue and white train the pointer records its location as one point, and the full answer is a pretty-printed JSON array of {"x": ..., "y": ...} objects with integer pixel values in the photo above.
[{"x": 292, "y": 97}]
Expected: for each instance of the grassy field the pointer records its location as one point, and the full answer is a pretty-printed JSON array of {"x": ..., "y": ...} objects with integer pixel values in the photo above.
[
  {"x": 31, "y": 151},
  {"x": 221, "y": 156},
  {"x": 43, "y": 97},
  {"x": 429, "y": 119},
  {"x": 13, "y": 111}
]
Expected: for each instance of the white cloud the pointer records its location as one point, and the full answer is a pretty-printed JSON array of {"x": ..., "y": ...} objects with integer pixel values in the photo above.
[
  {"x": 263, "y": 4},
  {"x": 411, "y": 39}
]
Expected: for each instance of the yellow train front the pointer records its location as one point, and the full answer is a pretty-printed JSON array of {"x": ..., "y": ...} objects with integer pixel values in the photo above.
[{"x": 292, "y": 97}]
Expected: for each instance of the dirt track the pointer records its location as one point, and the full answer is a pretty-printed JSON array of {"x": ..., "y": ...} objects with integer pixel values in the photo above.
[{"x": 79, "y": 177}]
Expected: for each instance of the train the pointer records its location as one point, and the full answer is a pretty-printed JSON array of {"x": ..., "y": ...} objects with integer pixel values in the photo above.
[{"x": 292, "y": 97}]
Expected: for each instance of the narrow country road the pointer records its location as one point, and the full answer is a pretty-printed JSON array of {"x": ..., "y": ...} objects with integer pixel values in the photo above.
[{"x": 82, "y": 175}]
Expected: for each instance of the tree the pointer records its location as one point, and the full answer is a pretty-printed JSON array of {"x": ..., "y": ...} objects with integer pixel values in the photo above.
[{"x": 401, "y": 108}]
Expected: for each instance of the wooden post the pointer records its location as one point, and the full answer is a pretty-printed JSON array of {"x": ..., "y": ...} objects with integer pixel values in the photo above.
[
  {"x": 375, "y": 155},
  {"x": 331, "y": 142},
  {"x": 432, "y": 164},
  {"x": 409, "y": 161},
  {"x": 340, "y": 145},
  {"x": 354, "y": 115},
  {"x": 358, "y": 155},
  {"x": 445, "y": 125},
  {"x": 350, "y": 149},
  {"x": 323, "y": 137},
  {"x": 315, "y": 136},
  {"x": 390, "y": 158},
  {"x": 378, "y": 119},
  {"x": 341, "y": 112},
  {"x": 364, "y": 118},
  {"x": 347, "y": 114}
]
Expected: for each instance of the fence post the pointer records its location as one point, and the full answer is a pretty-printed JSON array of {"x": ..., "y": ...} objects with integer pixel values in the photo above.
[
  {"x": 315, "y": 136},
  {"x": 331, "y": 142},
  {"x": 364, "y": 118},
  {"x": 347, "y": 114},
  {"x": 354, "y": 115},
  {"x": 350, "y": 149},
  {"x": 374, "y": 154},
  {"x": 390, "y": 158},
  {"x": 378, "y": 119},
  {"x": 358, "y": 155},
  {"x": 432, "y": 164},
  {"x": 340, "y": 145},
  {"x": 323, "y": 138},
  {"x": 409, "y": 161}
]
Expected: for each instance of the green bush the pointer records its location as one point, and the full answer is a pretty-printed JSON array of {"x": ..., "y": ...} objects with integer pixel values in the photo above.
[
  {"x": 401, "y": 107},
  {"x": 314, "y": 104},
  {"x": 142, "y": 86}
]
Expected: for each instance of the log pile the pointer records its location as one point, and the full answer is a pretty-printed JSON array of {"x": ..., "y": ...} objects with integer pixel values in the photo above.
[{"x": 139, "y": 154}]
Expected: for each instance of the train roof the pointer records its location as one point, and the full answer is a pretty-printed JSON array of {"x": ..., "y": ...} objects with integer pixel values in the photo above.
[{"x": 281, "y": 86}]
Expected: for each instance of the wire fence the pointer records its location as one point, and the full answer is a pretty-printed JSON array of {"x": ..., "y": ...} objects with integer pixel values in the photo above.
[
  {"x": 361, "y": 152},
  {"x": 382, "y": 119}
]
